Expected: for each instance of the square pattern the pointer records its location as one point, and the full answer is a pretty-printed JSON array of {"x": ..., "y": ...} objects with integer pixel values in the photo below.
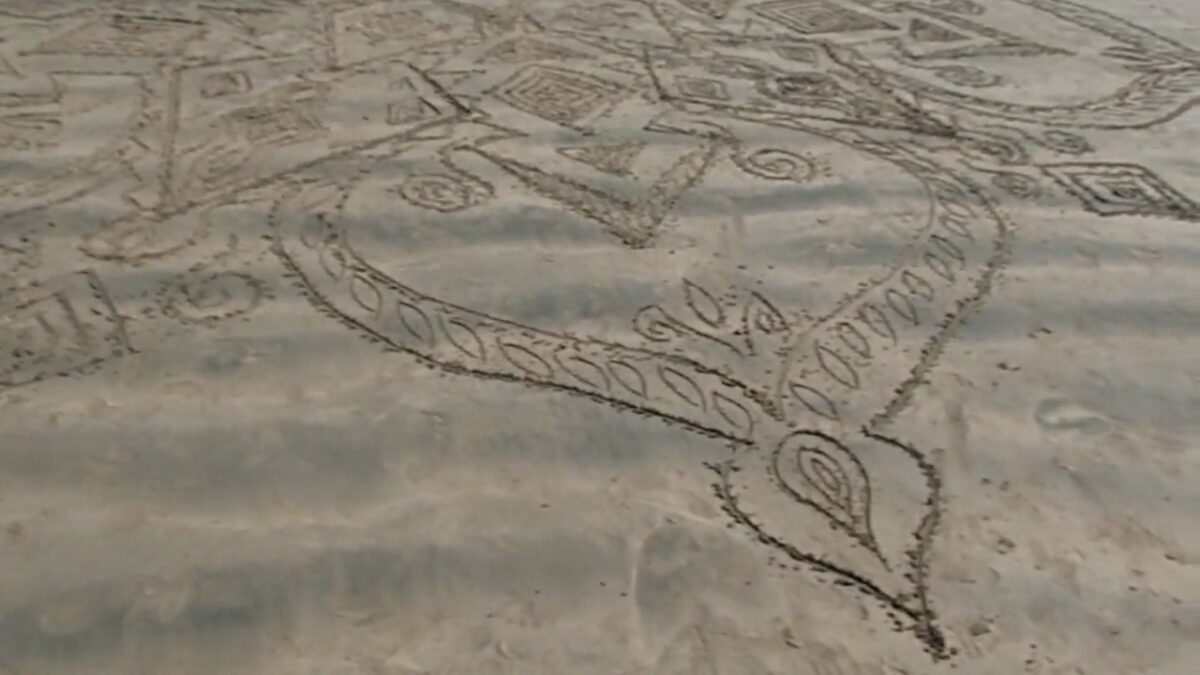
[
  {"x": 1115, "y": 189},
  {"x": 561, "y": 96}
]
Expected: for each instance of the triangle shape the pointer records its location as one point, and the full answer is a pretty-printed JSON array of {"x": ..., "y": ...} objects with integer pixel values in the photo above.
[
  {"x": 636, "y": 222},
  {"x": 615, "y": 159},
  {"x": 923, "y": 31}
]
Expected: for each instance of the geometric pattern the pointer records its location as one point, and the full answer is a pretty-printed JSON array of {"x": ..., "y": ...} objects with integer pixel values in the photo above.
[
  {"x": 1121, "y": 189},
  {"x": 561, "y": 96},
  {"x": 615, "y": 159},
  {"x": 232, "y": 164}
]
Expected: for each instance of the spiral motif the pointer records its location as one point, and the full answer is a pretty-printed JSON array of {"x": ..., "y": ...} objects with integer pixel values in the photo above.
[
  {"x": 774, "y": 164},
  {"x": 439, "y": 192},
  {"x": 209, "y": 298}
]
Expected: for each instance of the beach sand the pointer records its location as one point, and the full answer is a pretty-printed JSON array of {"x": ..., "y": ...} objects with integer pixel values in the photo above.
[{"x": 737, "y": 337}]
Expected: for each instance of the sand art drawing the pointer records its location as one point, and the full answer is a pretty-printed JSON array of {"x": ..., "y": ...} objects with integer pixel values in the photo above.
[{"x": 208, "y": 138}]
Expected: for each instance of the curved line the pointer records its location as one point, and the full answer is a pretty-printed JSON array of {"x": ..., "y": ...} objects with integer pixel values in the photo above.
[
  {"x": 374, "y": 336},
  {"x": 925, "y": 531},
  {"x": 673, "y": 359},
  {"x": 922, "y": 621},
  {"x": 1051, "y": 116},
  {"x": 866, "y": 539},
  {"x": 936, "y": 343},
  {"x": 356, "y": 265},
  {"x": 1105, "y": 17},
  {"x": 790, "y": 351}
]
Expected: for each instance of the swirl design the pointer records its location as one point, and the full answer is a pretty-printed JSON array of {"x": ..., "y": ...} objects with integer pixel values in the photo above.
[
  {"x": 774, "y": 164},
  {"x": 441, "y": 192},
  {"x": 200, "y": 298}
]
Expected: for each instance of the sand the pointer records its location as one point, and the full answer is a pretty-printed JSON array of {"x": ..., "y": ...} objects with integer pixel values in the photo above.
[{"x": 815, "y": 337}]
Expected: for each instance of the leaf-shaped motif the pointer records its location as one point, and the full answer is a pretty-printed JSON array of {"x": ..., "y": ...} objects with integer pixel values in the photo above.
[
  {"x": 902, "y": 305},
  {"x": 526, "y": 360},
  {"x": 628, "y": 377},
  {"x": 950, "y": 249},
  {"x": 814, "y": 401},
  {"x": 366, "y": 294},
  {"x": 917, "y": 285},
  {"x": 956, "y": 224},
  {"x": 416, "y": 322},
  {"x": 876, "y": 320},
  {"x": 939, "y": 267},
  {"x": 464, "y": 338},
  {"x": 854, "y": 339},
  {"x": 682, "y": 385},
  {"x": 817, "y": 503},
  {"x": 836, "y": 366},
  {"x": 763, "y": 316},
  {"x": 333, "y": 261},
  {"x": 820, "y": 472},
  {"x": 703, "y": 305},
  {"x": 733, "y": 412},
  {"x": 584, "y": 370}
]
